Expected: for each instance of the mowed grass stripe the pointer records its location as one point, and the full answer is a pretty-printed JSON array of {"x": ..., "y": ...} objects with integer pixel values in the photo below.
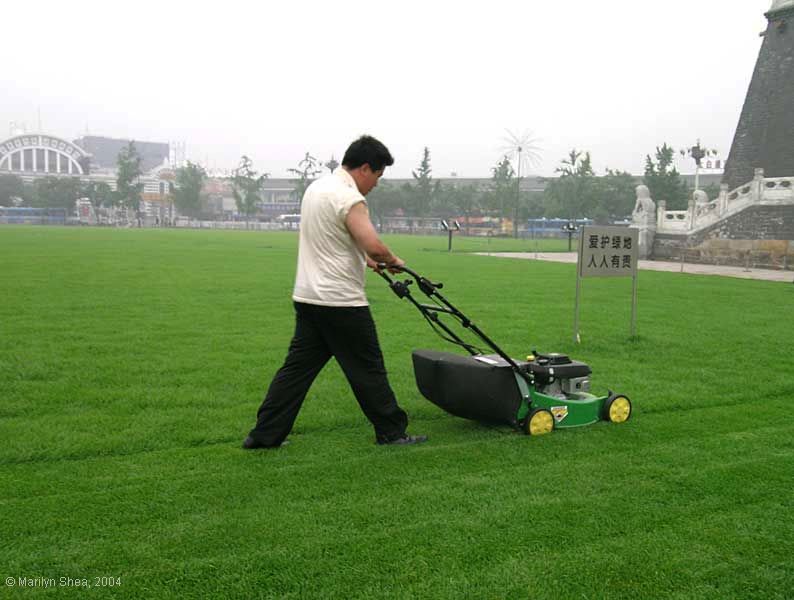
[{"x": 688, "y": 419}]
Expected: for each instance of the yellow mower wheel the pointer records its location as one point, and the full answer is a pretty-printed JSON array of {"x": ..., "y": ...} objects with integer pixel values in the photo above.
[
  {"x": 539, "y": 422},
  {"x": 617, "y": 409}
]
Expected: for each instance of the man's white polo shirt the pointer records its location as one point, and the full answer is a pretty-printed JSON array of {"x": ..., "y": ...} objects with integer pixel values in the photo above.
[{"x": 331, "y": 267}]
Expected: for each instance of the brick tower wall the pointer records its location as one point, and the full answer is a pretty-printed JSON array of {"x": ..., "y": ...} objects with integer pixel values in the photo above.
[{"x": 765, "y": 133}]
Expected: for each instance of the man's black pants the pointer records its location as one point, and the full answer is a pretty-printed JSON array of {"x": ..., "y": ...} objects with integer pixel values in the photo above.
[{"x": 348, "y": 334}]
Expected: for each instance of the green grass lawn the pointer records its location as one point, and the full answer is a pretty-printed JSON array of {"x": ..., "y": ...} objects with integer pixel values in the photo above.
[{"x": 132, "y": 363}]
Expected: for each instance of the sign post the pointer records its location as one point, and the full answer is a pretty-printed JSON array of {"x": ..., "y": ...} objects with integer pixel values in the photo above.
[{"x": 607, "y": 252}]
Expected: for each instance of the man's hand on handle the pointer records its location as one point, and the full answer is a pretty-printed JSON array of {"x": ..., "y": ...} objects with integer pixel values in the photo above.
[{"x": 390, "y": 266}]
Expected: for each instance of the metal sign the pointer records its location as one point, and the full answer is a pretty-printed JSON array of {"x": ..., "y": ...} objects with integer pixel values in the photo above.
[{"x": 607, "y": 252}]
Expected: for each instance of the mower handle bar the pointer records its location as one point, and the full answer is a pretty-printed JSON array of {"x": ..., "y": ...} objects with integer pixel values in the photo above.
[{"x": 429, "y": 288}]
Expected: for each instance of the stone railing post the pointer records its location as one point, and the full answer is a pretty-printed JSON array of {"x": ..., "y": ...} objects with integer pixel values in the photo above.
[
  {"x": 660, "y": 215},
  {"x": 722, "y": 205},
  {"x": 758, "y": 186}
]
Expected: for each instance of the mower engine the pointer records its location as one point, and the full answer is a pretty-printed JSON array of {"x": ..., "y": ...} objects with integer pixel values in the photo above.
[{"x": 558, "y": 376}]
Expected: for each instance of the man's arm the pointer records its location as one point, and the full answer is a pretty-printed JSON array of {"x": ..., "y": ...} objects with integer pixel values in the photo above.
[{"x": 363, "y": 232}]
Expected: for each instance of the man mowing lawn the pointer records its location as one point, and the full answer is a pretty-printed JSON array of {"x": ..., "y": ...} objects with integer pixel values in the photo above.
[{"x": 332, "y": 317}]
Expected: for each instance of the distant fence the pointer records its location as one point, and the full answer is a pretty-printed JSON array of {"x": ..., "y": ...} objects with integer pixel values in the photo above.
[
  {"x": 182, "y": 222},
  {"x": 476, "y": 227},
  {"x": 482, "y": 226},
  {"x": 25, "y": 215}
]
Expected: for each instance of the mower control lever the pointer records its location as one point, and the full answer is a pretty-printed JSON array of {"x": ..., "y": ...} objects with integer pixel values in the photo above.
[
  {"x": 427, "y": 286},
  {"x": 400, "y": 288}
]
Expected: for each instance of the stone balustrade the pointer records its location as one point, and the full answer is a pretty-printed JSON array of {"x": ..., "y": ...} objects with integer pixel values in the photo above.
[
  {"x": 760, "y": 191},
  {"x": 778, "y": 189},
  {"x": 672, "y": 220}
]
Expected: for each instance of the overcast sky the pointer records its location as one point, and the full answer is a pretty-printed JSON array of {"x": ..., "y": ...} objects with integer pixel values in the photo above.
[{"x": 276, "y": 79}]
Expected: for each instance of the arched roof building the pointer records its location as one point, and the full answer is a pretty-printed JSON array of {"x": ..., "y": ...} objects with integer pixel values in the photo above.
[{"x": 44, "y": 155}]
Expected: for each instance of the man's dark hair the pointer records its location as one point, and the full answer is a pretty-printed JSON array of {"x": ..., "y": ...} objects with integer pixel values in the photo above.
[{"x": 367, "y": 150}]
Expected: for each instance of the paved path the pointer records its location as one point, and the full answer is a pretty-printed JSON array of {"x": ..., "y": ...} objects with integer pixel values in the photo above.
[{"x": 659, "y": 265}]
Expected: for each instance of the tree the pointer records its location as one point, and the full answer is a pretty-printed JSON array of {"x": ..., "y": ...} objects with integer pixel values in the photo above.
[
  {"x": 55, "y": 192},
  {"x": 532, "y": 205},
  {"x": 615, "y": 196},
  {"x": 501, "y": 196},
  {"x": 664, "y": 182},
  {"x": 12, "y": 190},
  {"x": 307, "y": 170},
  {"x": 246, "y": 185},
  {"x": 98, "y": 193},
  {"x": 423, "y": 188},
  {"x": 128, "y": 186},
  {"x": 386, "y": 199},
  {"x": 576, "y": 165},
  {"x": 187, "y": 193},
  {"x": 455, "y": 200},
  {"x": 44, "y": 192},
  {"x": 574, "y": 193},
  {"x": 712, "y": 191},
  {"x": 444, "y": 201}
]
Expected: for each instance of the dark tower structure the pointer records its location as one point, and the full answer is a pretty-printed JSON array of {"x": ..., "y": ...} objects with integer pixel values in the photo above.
[{"x": 765, "y": 134}]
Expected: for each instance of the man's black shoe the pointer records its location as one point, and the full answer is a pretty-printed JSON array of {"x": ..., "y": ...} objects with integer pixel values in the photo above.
[
  {"x": 404, "y": 440},
  {"x": 251, "y": 444}
]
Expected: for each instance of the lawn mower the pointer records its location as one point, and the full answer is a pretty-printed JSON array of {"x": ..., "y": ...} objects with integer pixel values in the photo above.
[{"x": 537, "y": 395}]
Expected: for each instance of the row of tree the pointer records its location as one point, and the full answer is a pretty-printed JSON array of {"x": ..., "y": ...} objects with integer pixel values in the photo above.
[
  {"x": 577, "y": 192},
  {"x": 48, "y": 192}
]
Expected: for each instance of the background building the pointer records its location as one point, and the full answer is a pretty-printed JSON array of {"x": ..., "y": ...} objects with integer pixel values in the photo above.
[
  {"x": 32, "y": 156},
  {"x": 43, "y": 155},
  {"x": 104, "y": 152}
]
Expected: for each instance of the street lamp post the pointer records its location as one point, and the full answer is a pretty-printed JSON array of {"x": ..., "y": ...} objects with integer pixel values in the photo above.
[
  {"x": 697, "y": 153},
  {"x": 450, "y": 227},
  {"x": 518, "y": 195},
  {"x": 332, "y": 164},
  {"x": 570, "y": 229},
  {"x": 521, "y": 147}
]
